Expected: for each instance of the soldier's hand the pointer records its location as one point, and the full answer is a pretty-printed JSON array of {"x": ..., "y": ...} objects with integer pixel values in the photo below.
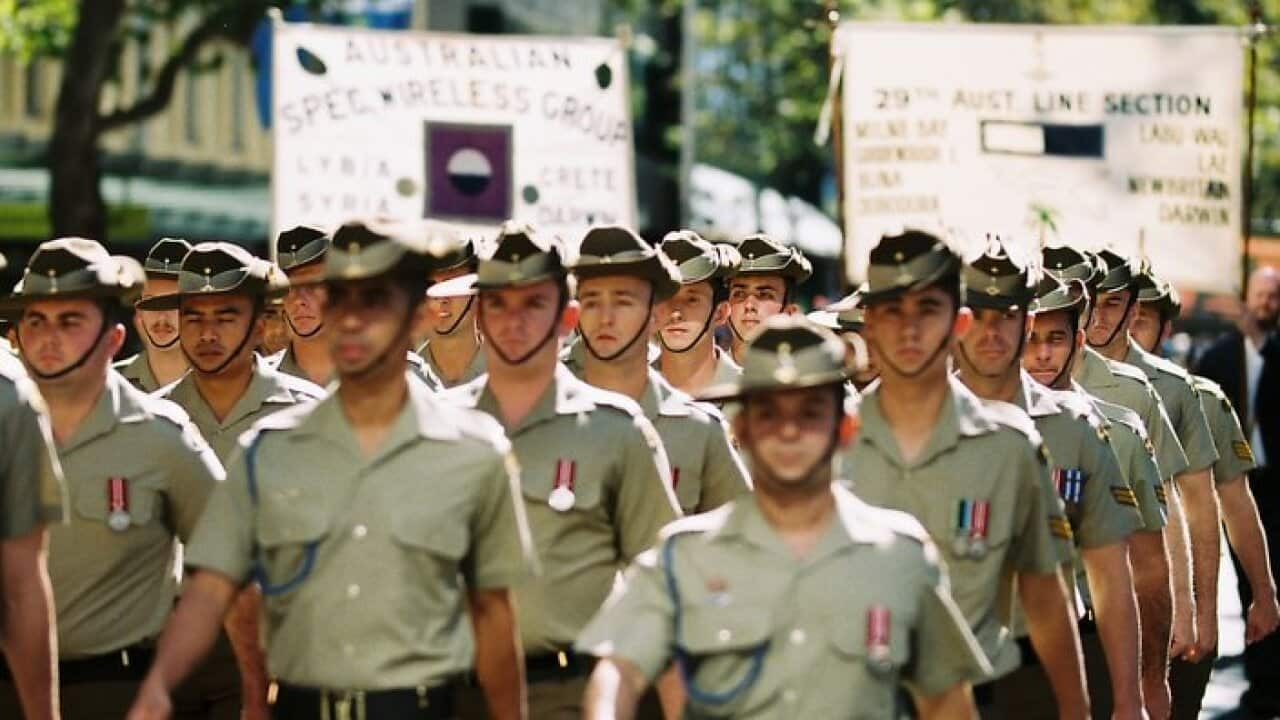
[
  {"x": 1263, "y": 617},
  {"x": 1183, "y": 636},
  {"x": 1206, "y": 640},
  {"x": 152, "y": 703}
]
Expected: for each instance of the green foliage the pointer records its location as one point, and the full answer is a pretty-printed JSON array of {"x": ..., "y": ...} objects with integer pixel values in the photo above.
[{"x": 29, "y": 28}]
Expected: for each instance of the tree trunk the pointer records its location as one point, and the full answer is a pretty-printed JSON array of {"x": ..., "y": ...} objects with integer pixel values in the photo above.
[{"x": 76, "y": 206}]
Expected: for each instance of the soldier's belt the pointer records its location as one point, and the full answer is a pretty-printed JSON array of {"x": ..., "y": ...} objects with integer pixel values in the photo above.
[
  {"x": 124, "y": 665},
  {"x": 422, "y": 703},
  {"x": 560, "y": 665}
]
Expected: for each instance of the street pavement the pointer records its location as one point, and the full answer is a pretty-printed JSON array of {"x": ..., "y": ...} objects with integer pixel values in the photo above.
[{"x": 1227, "y": 684}]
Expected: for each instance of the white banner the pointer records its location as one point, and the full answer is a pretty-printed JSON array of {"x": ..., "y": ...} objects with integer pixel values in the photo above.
[
  {"x": 467, "y": 129},
  {"x": 1084, "y": 135}
]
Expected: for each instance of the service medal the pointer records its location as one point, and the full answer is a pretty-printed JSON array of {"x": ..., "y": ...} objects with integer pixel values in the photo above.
[
  {"x": 978, "y": 529},
  {"x": 118, "y": 517},
  {"x": 562, "y": 497},
  {"x": 879, "y": 657}
]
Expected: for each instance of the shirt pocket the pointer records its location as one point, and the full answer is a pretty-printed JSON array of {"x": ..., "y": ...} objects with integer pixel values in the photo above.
[
  {"x": 858, "y": 675},
  {"x": 438, "y": 538},
  {"x": 288, "y": 534},
  {"x": 725, "y": 652},
  {"x": 539, "y": 480},
  {"x": 145, "y": 502}
]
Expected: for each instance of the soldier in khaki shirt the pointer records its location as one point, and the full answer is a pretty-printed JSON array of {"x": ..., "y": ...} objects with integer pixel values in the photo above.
[
  {"x": 689, "y": 358},
  {"x": 846, "y": 318},
  {"x": 620, "y": 278},
  {"x": 1108, "y": 332},
  {"x": 381, "y": 523},
  {"x": 220, "y": 294},
  {"x": 452, "y": 349},
  {"x": 137, "y": 475},
  {"x": 1158, "y": 306},
  {"x": 31, "y": 498},
  {"x": 594, "y": 476},
  {"x": 161, "y": 360},
  {"x": 975, "y": 475},
  {"x": 1054, "y": 345},
  {"x": 1101, "y": 507},
  {"x": 765, "y": 604},
  {"x": 300, "y": 254},
  {"x": 763, "y": 285}
]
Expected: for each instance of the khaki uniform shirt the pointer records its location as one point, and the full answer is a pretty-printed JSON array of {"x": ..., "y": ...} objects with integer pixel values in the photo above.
[
  {"x": 1100, "y": 503},
  {"x": 601, "y": 445},
  {"x": 269, "y": 391},
  {"x": 286, "y": 362},
  {"x": 31, "y": 487},
  {"x": 1127, "y": 386},
  {"x": 477, "y": 367},
  {"x": 1235, "y": 457},
  {"x": 705, "y": 469},
  {"x": 137, "y": 370},
  {"x": 115, "y": 588},
  {"x": 1128, "y": 438},
  {"x": 742, "y": 602},
  {"x": 978, "y": 453},
  {"x": 394, "y": 541},
  {"x": 1182, "y": 404}
]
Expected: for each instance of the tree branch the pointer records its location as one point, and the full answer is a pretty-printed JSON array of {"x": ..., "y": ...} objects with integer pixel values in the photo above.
[{"x": 231, "y": 22}]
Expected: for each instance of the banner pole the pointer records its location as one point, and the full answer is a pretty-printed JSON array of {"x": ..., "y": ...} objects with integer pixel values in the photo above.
[
  {"x": 832, "y": 10},
  {"x": 1256, "y": 30}
]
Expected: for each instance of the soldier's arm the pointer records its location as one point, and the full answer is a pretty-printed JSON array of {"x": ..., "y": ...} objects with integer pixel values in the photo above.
[
  {"x": 1200, "y": 508},
  {"x": 955, "y": 702},
  {"x": 1111, "y": 587},
  {"x": 187, "y": 638},
  {"x": 1149, "y": 560},
  {"x": 27, "y": 632},
  {"x": 613, "y": 691},
  {"x": 1050, "y": 618},
  {"x": 1244, "y": 532},
  {"x": 241, "y": 624},
  {"x": 499, "y": 658},
  {"x": 1183, "y": 630}
]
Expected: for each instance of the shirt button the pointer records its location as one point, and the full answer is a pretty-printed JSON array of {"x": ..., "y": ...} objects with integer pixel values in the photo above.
[
  {"x": 790, "y": 696},
  {"x": 359, "y": 531},
  {"x": 724, "y": 635},
  {"x": 797, "y": 637},
  {"x": 353, "y": 590},
  {"x": 348, "y": 649}
]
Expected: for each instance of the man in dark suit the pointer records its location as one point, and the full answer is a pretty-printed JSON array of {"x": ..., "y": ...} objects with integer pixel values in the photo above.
[{"x": 1246, "y": 363}]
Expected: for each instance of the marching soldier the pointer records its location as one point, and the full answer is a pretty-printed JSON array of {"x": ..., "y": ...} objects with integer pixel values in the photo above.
[
  {"x": 1052, "y": 349},
  {"x": 161, "y": 360},
  {"x": 845, "y": 317},
  {"x": 32, "y": 498},
  {"x": 220, "y": 294},
  {"x": 975, "y": 475},
  {"x": 595, "y": 478},
  {"x": 690, "y": 359},
  {"x": 764, "y": 285},
  {"x": 300, "y": 254},
  {"x": 1100, "y": 505},
  {"x": 764, "y": 604},
  {"x": 1122, "y": 384},
  {"x": 275, "y": 333},
  {"x": 376, "y": 519},
  {"x": 1157, "y": 308},
  {"x": 1109, "y": 334},
  {"x": 452, "y": 350},
  {"x": 620, "y": 278},
  {"x": 137, "y": 474}
]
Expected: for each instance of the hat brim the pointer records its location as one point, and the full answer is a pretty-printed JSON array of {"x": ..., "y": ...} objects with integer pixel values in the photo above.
[
  {"x": 15, "y": 303},
  {"x": 168, "y": 301},
  {"x": 996, "y": 302},
  {"x": 871, "y": 297},
  {"x": 738, "y": 390},
  {"x": 664, "y": 285},
  {"x": 461, "y": 286}
]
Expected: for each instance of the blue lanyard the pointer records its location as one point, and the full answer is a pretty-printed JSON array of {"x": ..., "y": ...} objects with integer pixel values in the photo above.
[
  {"x": 683, "y": 659},
  {"x": 259, "y": 570}
]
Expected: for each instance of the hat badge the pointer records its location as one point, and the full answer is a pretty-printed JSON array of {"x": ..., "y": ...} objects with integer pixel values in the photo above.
[
  {"x": 786, "y": 370},
  {"x": 53, "y": 280},
  {"x": 993, "y": 289},
  {"x": 208, "y": 281}
]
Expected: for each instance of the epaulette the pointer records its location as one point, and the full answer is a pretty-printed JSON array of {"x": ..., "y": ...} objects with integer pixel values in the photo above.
[
  {"x": 1012, "y": 416},
  {"x": 903, "y": 524},
  {"x": 284, "y": 419},
  {"x": 1081, "y": 408},
  {"x": 467, "y": 394},
  {"x": 120, "y": 365},
  {"x": 607, "y": 399},
  {"x": 1126, "y": 370},
  {"x": 1168, "y": 367},
  {"x": 298, "y": 387}
]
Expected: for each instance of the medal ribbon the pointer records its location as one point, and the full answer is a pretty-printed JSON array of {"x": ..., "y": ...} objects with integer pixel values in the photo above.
[
  {"x": 565, "y": 471},
  {"x": 963, "y": 517},
  {"x": 877, "y": 629},
  {"x": 981, "y": 512},
  {"x": 117, "y": 495},
  {"x": 675, "y": 477}
]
